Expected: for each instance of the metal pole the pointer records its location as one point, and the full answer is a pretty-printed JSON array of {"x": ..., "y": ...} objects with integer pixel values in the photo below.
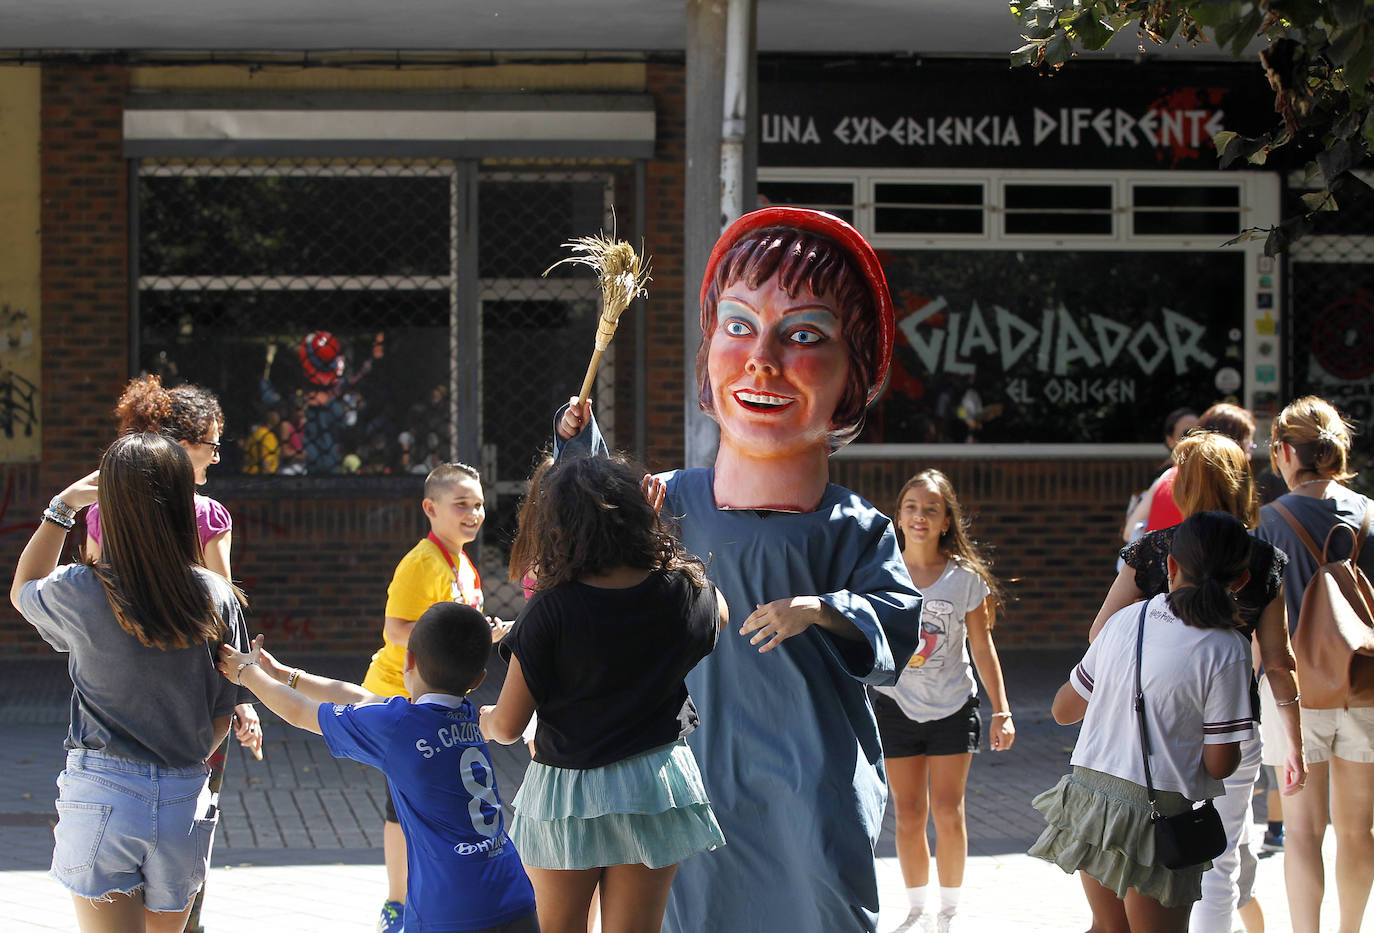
[
  {"x": 735, "y": 110},
  {"x": 706, "y": 31}
]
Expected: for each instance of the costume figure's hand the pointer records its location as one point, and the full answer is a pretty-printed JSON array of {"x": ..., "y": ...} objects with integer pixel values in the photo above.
[
  {"x": 574, "y": 419},
  {"x": 773, "y": 623},
  {"x": 654, "y": 490},
  {"x": 1002, "y": 734}
]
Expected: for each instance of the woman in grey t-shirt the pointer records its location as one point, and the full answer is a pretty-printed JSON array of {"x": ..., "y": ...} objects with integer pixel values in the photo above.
[
  {"x": 1310, "y": 449},
  {"x": 928, "y": 720},
  {"x": 141, "y": 627}
]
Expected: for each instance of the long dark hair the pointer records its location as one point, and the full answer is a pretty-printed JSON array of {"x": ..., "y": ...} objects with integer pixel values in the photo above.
[
  {"x": 150, "y": 544},
  {"x": 1212, "y": 550},
  {"x": 589, "y": 515},
  {"x": 955, "y": 543}
]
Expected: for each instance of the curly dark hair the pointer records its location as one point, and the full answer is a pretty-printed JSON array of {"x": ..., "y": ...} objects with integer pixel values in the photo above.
[
  {"x": 589, "y": 515},
  {"x": 184, "y": 413}
]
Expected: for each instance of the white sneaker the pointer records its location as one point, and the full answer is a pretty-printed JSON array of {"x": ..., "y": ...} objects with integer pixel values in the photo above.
[
  {"x": 943, "y": 920},
  {"x": 910, "y": 924}
]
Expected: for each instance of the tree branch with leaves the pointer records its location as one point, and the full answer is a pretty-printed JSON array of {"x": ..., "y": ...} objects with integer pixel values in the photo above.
[{"x": 1318, "y": 56}]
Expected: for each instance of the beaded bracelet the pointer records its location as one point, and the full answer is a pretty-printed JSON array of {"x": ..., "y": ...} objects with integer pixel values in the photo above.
[
  {"x": 63, "y": 522},
  {"x": 292, "y": 677},
  {"x": 241, "y": 667}
]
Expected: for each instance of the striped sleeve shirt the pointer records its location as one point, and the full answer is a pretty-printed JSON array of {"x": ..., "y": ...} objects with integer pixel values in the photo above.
[{"x": 1196, "y": 685}]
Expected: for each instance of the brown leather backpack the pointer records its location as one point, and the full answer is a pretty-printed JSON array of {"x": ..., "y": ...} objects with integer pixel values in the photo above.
[{"x": 1334, "y": 640}]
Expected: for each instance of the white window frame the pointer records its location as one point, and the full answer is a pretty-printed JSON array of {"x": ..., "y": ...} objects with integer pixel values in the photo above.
[{"x": 1260, "y": 206}]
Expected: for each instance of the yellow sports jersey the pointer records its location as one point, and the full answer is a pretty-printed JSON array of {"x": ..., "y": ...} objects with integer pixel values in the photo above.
[{"x": 422, "y": 578}]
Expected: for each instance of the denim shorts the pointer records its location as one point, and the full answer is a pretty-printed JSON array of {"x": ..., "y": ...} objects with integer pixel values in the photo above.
[{"x": 128, "y": 825}]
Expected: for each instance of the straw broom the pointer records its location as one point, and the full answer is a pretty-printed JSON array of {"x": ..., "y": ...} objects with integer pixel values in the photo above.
[{"x": 622, "y": 275}]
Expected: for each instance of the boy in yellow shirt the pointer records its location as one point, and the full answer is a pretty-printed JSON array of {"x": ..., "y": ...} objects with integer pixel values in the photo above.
[{"x": 436, "y": 570}]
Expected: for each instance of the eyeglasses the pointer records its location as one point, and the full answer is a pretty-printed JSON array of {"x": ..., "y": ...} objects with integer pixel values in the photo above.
[{"x": 214, "y": 444}]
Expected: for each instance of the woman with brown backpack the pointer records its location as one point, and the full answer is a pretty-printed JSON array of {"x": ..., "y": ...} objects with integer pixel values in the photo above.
[{"x": 1310, "y": 449}]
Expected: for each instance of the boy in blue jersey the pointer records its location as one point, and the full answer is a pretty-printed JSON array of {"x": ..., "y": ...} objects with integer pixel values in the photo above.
[{"x": 465, "y": 874}]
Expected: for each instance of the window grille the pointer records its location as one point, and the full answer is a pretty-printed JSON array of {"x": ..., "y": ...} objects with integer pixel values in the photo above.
[
  {"x": 1331, "y": 327},
  {"x": 929, "y": 208},
  {"x": 832, "y": 197},
  {"x": 364, "y": 319},
  {"x": 1059, "y": 210},
  {"x": 1178, "y": 210}
]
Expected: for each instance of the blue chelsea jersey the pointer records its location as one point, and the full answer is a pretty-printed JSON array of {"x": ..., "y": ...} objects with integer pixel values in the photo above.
[{"x": 464, "y": 872}]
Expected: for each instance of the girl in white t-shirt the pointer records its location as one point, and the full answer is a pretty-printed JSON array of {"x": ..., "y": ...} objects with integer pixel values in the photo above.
[
  {"x": 929, "y": 719},
  {"x": 1195, "y": 676}
]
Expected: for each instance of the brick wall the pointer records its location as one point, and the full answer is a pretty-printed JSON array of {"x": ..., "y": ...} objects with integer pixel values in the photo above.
[
  {"x": 316, "y": 570},
  {"x": 85, "y": 284},
  {"x": 85, "y": 323},
  {"x": 664, "y": 180}
]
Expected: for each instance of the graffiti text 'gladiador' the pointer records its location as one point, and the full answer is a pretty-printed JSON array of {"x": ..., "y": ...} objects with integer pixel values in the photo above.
[{"x": 1060, "y": 340}]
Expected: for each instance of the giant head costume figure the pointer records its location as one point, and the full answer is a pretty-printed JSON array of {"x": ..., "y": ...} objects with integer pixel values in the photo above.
[{"x": 797, "y": 330}]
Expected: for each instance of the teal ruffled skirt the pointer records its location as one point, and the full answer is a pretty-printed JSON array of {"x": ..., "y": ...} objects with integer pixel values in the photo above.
[
  {"x": 1100, "y": 825},
  {"x": 650, "y": 809}
]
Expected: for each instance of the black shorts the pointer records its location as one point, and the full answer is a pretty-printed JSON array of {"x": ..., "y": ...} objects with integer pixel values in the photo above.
[
  {"x": 389, "y": 814},
  {"x": 956, "y": 734}
]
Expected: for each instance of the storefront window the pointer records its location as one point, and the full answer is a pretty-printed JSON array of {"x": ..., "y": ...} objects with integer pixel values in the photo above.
[
  {"x": 343, "y": 319},
  {"x": 1062, "y": 308}
]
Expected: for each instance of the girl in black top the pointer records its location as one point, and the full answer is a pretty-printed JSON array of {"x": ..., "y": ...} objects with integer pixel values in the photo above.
[{"x": 619, "y": 616}]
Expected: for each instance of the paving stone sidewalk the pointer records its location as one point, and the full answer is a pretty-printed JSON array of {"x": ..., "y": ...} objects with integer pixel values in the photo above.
[{"x": 299, "y": 845}]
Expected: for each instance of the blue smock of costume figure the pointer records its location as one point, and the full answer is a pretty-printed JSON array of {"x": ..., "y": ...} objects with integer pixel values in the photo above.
[{"x": 787, "y": 744}]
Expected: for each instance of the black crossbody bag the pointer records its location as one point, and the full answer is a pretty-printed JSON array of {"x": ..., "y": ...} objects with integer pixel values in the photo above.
[{"x": 1193, "y": 836}]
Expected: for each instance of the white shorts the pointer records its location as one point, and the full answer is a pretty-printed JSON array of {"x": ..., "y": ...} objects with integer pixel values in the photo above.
[
  {"x": 1275, "y": 741},
  {"x": 1347, "y": 734}
]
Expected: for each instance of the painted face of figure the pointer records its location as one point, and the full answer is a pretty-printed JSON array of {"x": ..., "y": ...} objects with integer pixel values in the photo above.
[
  {"x": 777, "y": 368},
  {"x": 457, "y": 512},
  {"x": 923, "y": 515},
  {"x": 203, "y": 453}
]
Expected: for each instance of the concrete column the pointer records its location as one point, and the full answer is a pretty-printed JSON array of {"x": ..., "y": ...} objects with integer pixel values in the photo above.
[{"x": 706, "y": 32}]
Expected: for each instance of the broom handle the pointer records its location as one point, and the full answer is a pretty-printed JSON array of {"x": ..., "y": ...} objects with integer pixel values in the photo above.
[{"x": 590, "y": 378}]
